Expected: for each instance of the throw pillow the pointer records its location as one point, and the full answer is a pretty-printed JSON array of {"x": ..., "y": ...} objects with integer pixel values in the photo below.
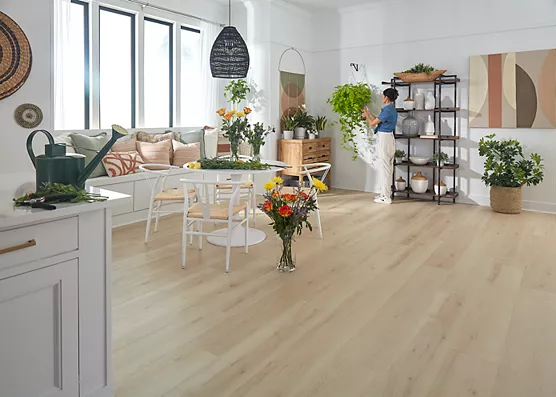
[
  {"x": 65, "y": 139},
  {"x": 185, "y": 153},
  {"x": 155, "y": 153},
  {"x": 122, "y": 163},
  {"x": 89, "y": 146},
  {"x": 125, "y": 144},
  {"x": 152, "y": 138},
  {"x": 193, "y": 136}
]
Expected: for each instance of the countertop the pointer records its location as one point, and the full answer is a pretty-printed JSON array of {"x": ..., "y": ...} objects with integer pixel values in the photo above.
[{"x": 11, "y": 217}]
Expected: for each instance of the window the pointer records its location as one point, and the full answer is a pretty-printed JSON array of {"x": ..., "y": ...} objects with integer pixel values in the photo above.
[
  {"x": 158, "y": 74},
  {"x": 191, "y": 111},
  {"x": 117, "y": 68},
  {"x": 73, "y": 59}
]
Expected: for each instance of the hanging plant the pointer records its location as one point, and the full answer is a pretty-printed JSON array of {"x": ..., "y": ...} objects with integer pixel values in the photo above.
[
  {"x": 236, "y": 91},
  {"x": 347, "y": 101}
]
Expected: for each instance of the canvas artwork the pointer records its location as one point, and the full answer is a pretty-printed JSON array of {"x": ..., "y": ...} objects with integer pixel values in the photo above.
[
  {"x": 292, "y": 92},
  {"x": 513, "y": 90}
]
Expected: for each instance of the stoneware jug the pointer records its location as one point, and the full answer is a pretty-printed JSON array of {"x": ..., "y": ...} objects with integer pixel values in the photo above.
[
  {"x": 419, "y": 183},
  {"x": 420, "y": 99},
  {"x": 430, "y": 101}
]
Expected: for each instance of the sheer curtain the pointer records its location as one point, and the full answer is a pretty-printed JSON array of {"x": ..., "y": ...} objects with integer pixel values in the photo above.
[
  {"x": 211, "y": 87},
  {"x": 61, "y": 45}
]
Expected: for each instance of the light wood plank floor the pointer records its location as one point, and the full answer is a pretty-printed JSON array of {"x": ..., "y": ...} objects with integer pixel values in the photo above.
[{"x": 410, "y": 299}]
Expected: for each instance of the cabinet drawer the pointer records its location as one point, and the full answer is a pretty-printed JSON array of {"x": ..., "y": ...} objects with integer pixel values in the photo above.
[
  {"x": 31, "y": 243},
  {"x": 310, "y": 147},
  {"x": 323, "y": 146},
  {"x": 319, "y": 157}
]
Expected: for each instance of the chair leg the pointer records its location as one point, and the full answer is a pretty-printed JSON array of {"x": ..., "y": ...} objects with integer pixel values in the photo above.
[
  {"x": 159, "y": 204},
  {"x": 318, "y": 222},
  {"x": 191, "y": 235},
  {"x": 254, "y": 204},
  {"x": 246, "y": 230},
  {"x": 200, "y": 230},
  {"x": 228, "y": 245},
  {"x": 149, "y": 216},
  {"x": 184, "y": 243}
]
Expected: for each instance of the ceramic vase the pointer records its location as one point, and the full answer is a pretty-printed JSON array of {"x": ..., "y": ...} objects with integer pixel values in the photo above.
[
  {"x": 409, "y": 104},
  {"x": 430, "y": 101},
  {"x": 442, "y": 189},
  {"x": 410, "y": 126},
  {"x": 288, "y": 134},
  {"x": 419, "y": 183},
  {"x": 300, "y": 133},
  {"x": 420, "y": 99},
  {"x": 429, "y": 126},
  {"x": 312, "y": 136},
  {"x": 400, "y": 184}
]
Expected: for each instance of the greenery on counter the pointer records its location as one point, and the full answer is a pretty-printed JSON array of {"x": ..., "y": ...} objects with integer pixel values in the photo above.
[
  {"x": 73, "y": 194},
  {"x": 227, "y": 164}
]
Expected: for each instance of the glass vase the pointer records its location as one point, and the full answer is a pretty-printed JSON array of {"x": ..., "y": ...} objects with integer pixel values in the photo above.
[
  {"x": 256, "y": 152},
  {"x": 234, "y": 151},
  {"x": 286, "y": 254}
]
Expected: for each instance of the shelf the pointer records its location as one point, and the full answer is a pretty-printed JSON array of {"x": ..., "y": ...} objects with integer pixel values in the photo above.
[
  {"x": 429, "y": 137},
  {"x": 437, "y": 110},
  {"x": 430, "y": 165},
  {"x": 429, "y": 193},
  {"x": 439, "y": 81}
]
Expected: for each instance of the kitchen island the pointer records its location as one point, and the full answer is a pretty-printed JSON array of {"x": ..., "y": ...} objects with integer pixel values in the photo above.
[{"x": 55, "y": 306}]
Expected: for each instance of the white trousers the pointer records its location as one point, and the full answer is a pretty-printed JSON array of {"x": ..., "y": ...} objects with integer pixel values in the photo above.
[{"x": 386, "y": 151}]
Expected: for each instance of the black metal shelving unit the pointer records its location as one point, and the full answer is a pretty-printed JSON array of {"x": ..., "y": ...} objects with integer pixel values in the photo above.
[{"x": 437, "y": 140}]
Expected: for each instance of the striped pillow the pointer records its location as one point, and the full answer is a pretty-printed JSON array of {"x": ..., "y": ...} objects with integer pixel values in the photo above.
[
  {"x": 122, "y": 163},
  {"x": 156, "y": 153},
  {"x": 185, "y": 153}
]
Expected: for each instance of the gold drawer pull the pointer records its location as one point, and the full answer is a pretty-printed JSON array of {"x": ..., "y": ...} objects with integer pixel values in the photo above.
[{"x": 28, "y": 244}]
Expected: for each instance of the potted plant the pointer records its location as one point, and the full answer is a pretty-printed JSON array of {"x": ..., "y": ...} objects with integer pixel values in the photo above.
[
  {"x": 506, "y": 171},
  {"x": 287, "y": 126},
  {"x": 419, "y": 73},
  {"x": 320, "y": 124},
  {"x": 399, "y": 156},
  {"x": 440, "y": 158},
  {"x": 347, "y": 101},
  {"x": 303, "y": 122},
  {"x": 255, "y": 136},
  {"x": 236, "y": 91}
]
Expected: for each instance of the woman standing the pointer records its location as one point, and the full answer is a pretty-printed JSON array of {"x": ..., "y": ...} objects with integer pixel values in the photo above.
[{"x": 385, "y": 124}]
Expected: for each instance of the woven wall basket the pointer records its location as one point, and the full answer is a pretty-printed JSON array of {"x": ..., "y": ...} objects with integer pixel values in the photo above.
[
  {"x": 419, "y": 77},
  {"x": 506, "y": 200},
  {"x": 15, "y": 56}
]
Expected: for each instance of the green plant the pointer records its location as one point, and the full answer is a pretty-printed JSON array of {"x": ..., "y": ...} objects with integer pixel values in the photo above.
[
  {"x": 506, "y": 166},
  {"x": 234, "y": 125},
  {"x": 288, "y": 123},
  {"x": 421, "y": 68},
  {"x": 439, "y": 157},
  {"x": 236, "y": 91},
  {"x": 255, "y": 135},
  {"x": 348, "y": 101},
  {"x": 320, "y": 123},
  {"x": 74, "y": 194},
  {"x": 229, "y": 164},
  {"x": 399, "y": 153},
  {"x": 302, "y": 119}
]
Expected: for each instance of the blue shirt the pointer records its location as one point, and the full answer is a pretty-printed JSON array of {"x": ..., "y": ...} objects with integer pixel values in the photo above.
[{"x": 388, "y": 118}]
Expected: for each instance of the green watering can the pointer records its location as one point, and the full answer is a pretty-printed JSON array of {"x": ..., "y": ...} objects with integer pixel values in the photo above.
[{"x": 55, "y": 166}]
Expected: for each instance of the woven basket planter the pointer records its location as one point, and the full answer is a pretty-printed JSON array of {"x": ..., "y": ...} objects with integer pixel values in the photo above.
[
  {"x": 506, "y": 200},
  {"x": 419, "y": 77}
]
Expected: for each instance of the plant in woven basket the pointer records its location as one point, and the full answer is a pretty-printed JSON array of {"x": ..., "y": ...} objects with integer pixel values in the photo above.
[
  {"x": 348, "y": 101},
  {"x": 236, "y": 91},
  {"x": 420, "y": 68},
  {"x": 506, "y": 166}
]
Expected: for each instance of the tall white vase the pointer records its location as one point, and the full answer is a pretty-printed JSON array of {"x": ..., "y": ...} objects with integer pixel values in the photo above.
[
  {"x": 430, "y": 101},
  {"x": 420, "y": 99},
  {"x": 429, "y": 126}
]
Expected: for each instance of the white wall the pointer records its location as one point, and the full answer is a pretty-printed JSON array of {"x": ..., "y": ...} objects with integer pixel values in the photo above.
[
  {"x": 396, "y": 34},
  {"x": 35, "y": 18}
]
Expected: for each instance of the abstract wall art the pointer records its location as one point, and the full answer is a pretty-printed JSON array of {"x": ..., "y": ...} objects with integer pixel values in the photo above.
[
  {"x": 513, "y": 90},
  {"x": 292, "y": 92}
]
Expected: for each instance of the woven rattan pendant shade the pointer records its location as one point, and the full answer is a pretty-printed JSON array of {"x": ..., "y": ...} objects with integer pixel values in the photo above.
[{"x": 229, "y": 57}]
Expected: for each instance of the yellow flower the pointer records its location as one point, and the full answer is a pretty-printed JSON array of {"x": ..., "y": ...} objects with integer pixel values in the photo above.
[
  {"x": 191, "y": 164},
  {"x": 240, "y": 114},
  {"x": 321, "y": 187},
  {"x": 232, "y": 111},
  {"x": 197, "y": 166},
  {"x": 277, "y": 180},
  {"x": 269, "y": 185}
]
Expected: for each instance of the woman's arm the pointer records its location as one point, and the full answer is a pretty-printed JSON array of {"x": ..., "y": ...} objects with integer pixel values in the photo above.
[{"x": 371, "y": 118}]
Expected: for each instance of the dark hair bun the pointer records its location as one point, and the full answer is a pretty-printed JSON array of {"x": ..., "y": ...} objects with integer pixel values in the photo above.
[{"x": 391, "y": 94}]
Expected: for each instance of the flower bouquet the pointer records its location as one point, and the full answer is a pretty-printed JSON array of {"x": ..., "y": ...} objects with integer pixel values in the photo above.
[
  {"x": 255, "y": 136},
  {"x": 289, "y": 213},
  {"x": 234, "y": 125}
]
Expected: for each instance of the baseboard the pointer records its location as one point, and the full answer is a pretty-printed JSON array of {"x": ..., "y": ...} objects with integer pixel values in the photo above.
[{"x": 140, "y": 216}]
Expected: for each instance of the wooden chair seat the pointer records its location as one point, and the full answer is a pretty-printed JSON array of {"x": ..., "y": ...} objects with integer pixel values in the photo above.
[
  {"x": 217, "y": 211},
  {"x": 248, "y": 185},
  {"x": 173, "y": 195}
]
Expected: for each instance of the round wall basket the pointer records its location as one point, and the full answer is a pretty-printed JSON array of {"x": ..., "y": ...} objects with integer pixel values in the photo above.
[
  {"x": 28, "y": 115},
  {"x": 15, "y": 56}
]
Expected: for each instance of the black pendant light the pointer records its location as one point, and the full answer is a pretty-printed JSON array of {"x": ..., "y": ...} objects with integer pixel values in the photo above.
[{"x": 229, "y": 57}]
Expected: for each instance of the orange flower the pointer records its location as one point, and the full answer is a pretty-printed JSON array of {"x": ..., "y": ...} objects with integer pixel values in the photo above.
[
  {"x": 303, "y": 195},
  {"x": 285, "y": 211},
  {"x": 228, "y": 116},
  {"x": 267, "y": 206},
  {"x": 289, "y": 197},
  {"x": 247, "y": 110},
  {"x": 221, "y": 111},
  {"x": 275, "y": 195}
]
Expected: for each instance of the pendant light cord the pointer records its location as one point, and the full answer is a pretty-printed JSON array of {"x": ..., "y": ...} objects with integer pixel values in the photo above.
[{"x": 229, "y": 12}]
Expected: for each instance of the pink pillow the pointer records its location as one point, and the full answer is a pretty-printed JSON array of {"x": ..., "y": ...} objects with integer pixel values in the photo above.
[
  {"x": 155, "y": 153},
  {"x": 125, "y": 145},
  {"x": 185, "y": 153},
  {"x": 122, "y": 163}
]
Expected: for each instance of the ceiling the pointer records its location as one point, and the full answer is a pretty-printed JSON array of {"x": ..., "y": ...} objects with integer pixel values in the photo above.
[{"x": 312, "y": 4}]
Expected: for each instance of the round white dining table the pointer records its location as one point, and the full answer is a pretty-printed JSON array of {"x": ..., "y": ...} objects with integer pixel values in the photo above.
[{"x": 255, "y": 236}]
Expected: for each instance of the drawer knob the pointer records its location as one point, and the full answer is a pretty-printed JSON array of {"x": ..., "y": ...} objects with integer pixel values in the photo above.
[{"x": 28, "y": 244}]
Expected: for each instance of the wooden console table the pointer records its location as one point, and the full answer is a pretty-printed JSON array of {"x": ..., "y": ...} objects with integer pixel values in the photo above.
[{"x": 296, "y": 152}]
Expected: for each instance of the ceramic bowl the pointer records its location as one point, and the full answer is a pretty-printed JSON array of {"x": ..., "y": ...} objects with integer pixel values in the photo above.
[
  {"x": 419, "y": 186},
  {"x": 443, "y": 190},
  {"x": 419, "y": 160}
]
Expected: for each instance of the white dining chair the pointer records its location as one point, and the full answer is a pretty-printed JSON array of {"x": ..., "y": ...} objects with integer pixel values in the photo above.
[
  {"x": 318, "y": 171},
  {"x": 203, "y": 211},
  {"x": 157, "y": 175},
  {"x": 248, "y": 189}
]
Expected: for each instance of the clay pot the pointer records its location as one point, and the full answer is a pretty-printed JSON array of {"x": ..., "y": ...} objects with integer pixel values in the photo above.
[
  {"x": 443, "y": 188},
  {"x": 400, "y": 184},
  {"x": 419, "y": 183}
]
